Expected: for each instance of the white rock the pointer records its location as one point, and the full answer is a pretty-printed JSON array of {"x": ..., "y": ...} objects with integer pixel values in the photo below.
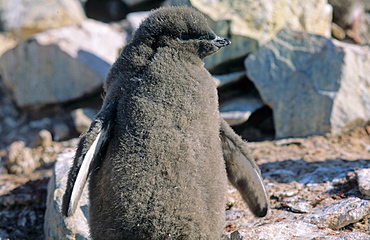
[
  {"x": 136, "y": 18},
  {"x": 339, "y": 214},
  {"x": 26, "y": 17},
  {"x": 284, "y": 230},
  {"x": 222, "y": 80},
  {"x": 55, "y": 225},
  {"x": 60, "y": 65},
  {"x": 313, "y": 84},
  {"x": 250, "y": 23},
  {"x": 238, "y": 110}
]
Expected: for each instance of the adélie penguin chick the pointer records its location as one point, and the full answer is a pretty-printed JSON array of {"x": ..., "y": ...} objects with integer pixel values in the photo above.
[{"x": 158, "y": 153}]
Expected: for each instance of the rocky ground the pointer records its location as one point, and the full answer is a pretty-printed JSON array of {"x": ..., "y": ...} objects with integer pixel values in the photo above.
[{"x": 301, "y": 175}]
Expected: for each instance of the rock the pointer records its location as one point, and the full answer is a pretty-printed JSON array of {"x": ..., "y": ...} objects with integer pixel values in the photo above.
[
  {"x": 82, "y": 118},
  {"x": 313, "y": 84},
  {"x": 339, "y": 214},
  {"x": 43, "y": 139},
  {"x": 134, "y": 19},
  {"x": 346, "y": 236},
  {"x": 19, "y": 159},
  {"x": 232, "y": 236},
  {"x": 25, "y": 18},
  {"x": 363, "y": 179},
  {"x": 248, "y": 23},
  {"x": 55, "y": 225},
  {"x": 61, "y": 131},
  {"x": 60, "y": 65},
  {"x": 337, "y": 31},
  {"x": 285, "y": 230},
  {"x": 7, "y": 41},
  {"x": 238, "y": 110},
  {"x": 290, "y": 230}
]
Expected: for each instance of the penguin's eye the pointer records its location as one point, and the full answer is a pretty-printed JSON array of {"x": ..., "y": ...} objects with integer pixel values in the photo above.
[{"x": 184, "y": 37}]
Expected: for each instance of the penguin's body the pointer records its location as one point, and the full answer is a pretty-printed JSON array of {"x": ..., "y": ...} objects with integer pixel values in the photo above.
[{"x": 153, "y": 153}]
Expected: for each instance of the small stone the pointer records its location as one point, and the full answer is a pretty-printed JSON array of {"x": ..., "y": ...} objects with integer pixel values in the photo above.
[
  {"x": 300, "y": 207},
  {"x": 19, "y": 159},
  {"x": 43, "y": 139},
  {"x": 61, "y": 131},
  {"x": 82, "y": 118}
]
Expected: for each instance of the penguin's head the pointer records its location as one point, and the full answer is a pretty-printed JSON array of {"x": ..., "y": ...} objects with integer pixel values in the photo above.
[{"x": 181, "y": 28}]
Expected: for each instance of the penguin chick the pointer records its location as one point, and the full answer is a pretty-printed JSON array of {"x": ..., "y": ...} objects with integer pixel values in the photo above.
[{"x": 153, "y": 154}]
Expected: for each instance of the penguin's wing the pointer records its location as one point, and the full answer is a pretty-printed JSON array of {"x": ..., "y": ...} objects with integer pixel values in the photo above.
[
  {"x": 242, "y": 171},
  {"x": 91, "y": 148}
]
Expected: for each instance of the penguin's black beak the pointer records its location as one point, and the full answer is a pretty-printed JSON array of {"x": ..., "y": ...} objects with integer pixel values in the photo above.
[{"x": 220, "y": 42}]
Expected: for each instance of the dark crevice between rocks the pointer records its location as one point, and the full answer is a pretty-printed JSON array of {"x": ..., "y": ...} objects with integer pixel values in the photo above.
[
  {"x": 234, "y": 65},
  {"x": 115, "y": 10},
  {"x": 260, "y": 125},
  {"x": 241, "y": 87}
]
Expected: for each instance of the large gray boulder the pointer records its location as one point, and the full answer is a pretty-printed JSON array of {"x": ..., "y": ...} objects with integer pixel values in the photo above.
[
  {"x": 55, "y": 225},
  {"x": 60, "y": 65},
  {"x": 27, "y": 17},
  {"x": 313, "y": 84},
  {"x": 249, "y": 24}
]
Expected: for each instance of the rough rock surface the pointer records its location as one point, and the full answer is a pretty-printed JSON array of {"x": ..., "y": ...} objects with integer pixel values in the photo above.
[
  {"x": 313, "y": 84},
  {"x": 7, "y": 41},
  {"x": 27, "y": 17},
  {"x": 251, "y": 23},
  {"x": 60, "y": 65},
  {"x": 339, "y": 214},
  {"x": 55, "y": 225}
]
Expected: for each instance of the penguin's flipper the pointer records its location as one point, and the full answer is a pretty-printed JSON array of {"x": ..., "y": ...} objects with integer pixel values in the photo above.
[
  {"x": 242, "y": 171},
  {"x": 90, "y": 150}
]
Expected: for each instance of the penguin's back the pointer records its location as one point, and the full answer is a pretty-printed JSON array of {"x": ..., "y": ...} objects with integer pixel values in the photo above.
[{"x": 163, "y": 174}]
